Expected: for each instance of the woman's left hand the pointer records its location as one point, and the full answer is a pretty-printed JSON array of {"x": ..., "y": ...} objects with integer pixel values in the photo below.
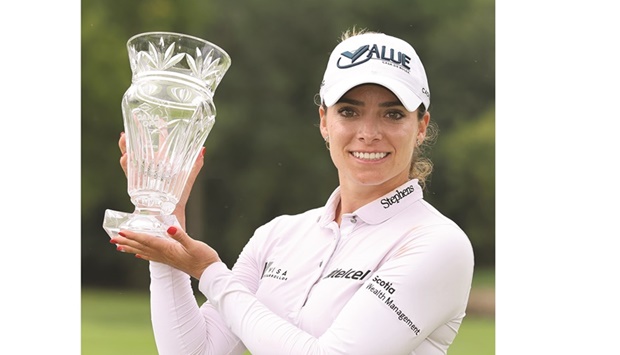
[{"x": 180, "y": 251}]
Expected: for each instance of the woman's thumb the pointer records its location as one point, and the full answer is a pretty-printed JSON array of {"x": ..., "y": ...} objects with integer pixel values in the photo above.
[{"x": 177, "y": 234}]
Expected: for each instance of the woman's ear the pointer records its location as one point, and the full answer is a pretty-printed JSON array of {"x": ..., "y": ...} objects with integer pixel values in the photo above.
[
  {"x": 422, "y": 125},
  {"x": 323, "y": 122}
]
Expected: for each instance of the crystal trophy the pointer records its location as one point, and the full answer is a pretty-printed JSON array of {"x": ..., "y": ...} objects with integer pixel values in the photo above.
[{"x": 168, "y": 112}]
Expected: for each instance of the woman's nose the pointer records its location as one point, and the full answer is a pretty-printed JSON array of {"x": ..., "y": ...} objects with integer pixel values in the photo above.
[{"x": 369, "y": 130}]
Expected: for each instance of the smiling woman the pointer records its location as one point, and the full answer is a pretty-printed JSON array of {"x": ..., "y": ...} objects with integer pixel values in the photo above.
[
  {"x": 372, "y": 139},
  {"x": 376, "y": 261}
]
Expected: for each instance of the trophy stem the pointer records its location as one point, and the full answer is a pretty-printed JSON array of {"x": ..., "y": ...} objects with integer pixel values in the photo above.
[{"x": 140, "y": 221}]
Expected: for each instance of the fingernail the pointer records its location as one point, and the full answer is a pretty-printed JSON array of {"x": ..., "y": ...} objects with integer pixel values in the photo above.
[
  {"x": 138, "y": 256},
  {"x": 202, "y": 152},
  {"x": 113, "y": 241},
  {"x": 119, "y": 248},
  {"x": 122, "y": 234},
  {"x": 122, "y": 133},
  {"x": 172, "y": 230}
]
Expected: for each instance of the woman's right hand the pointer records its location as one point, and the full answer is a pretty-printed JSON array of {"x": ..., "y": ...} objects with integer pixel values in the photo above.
[{"x": 179, "y": 211}]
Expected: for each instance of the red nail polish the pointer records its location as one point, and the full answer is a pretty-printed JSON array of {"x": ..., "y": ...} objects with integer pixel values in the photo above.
[
  {"x": 119, "y": 248},
  {"x": 113, "y": 241},
  {"x": 122, "y": 234},
  {"x": 172, "y": 230},
  {"x": 138, "y": 256},
  {"x": 202, "y": 152}
]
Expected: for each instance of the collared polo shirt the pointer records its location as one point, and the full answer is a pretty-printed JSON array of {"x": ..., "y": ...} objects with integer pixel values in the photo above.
[{"x": 393, "y": 278}]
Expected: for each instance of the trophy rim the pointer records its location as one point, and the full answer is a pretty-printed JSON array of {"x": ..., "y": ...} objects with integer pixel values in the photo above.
[{"x": 179, "y": 34}]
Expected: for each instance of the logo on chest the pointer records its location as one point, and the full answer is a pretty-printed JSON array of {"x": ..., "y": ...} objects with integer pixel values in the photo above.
[
  {"x": 347, "y": 274},
  {"x": 274, "y": 272}
]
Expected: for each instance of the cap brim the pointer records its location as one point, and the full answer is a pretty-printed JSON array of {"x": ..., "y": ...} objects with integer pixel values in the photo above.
[{"x": 401, "y": 90}]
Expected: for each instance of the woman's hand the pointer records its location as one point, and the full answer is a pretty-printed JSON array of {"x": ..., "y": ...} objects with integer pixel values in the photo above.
[
  {"x": 180, "y": 251},
  {"x": 122, "y": 145},
  {"x": 179, "y": 210}
]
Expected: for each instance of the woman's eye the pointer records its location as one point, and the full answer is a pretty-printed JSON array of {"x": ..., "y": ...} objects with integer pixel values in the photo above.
[
  {"x": 395, "y": 115},
  {"x": 346, "y": 112}
]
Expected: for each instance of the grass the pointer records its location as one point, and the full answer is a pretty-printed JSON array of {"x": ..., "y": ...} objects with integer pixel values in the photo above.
[
  {"x": 118, "y": 322},
  {"x": 476, "y": 337}
]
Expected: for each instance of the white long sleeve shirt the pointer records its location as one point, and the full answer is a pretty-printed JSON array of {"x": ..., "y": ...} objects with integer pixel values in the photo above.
[{"x": 393, "y": 278}]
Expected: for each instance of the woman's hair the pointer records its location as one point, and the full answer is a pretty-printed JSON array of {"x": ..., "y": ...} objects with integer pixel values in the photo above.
[
  {"x": 354, "y": 32},
  {"x": 421, "y": 166}
]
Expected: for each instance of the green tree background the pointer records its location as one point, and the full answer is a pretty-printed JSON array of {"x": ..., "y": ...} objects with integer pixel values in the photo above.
[{"x": 265, "y": 156}]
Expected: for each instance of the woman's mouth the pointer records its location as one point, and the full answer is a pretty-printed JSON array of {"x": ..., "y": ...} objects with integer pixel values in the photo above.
[{"x": 369, "y": 156}]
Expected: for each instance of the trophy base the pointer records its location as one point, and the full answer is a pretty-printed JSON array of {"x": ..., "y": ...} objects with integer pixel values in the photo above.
[{"x": 115, "y": 221}]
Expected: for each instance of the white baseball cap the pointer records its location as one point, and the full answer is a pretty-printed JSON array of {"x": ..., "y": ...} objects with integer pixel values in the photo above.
[{"x": 379, "y": 59}]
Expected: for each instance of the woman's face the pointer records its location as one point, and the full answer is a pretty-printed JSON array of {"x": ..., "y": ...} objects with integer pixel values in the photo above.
[{"x": 372, "y": 137}]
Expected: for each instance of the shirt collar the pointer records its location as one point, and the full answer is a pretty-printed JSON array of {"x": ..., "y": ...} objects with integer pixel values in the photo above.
[{"x": 380, "y": 209}]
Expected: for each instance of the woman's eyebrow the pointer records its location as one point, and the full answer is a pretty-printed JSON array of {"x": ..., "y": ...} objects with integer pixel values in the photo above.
[
  {"x": 361, "y": 103},
  {"x": 350, "y": 101}
]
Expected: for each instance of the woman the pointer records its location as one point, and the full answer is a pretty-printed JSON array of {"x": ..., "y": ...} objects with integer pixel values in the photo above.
[{"x": 377, "y": 270}]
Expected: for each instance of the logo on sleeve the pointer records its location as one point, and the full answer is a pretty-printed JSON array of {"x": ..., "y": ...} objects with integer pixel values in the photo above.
[
  {"x": 274, "y": 272},
  {"x": 385, "y": 290}
]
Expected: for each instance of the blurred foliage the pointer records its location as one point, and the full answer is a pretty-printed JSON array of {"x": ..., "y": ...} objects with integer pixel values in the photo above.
[{"x": 265, "y": 156}]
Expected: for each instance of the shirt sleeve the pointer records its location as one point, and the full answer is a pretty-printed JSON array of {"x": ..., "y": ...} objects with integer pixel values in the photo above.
[
  {"x": 180, "y": 325},
  {"x": 422, "y": 286}
]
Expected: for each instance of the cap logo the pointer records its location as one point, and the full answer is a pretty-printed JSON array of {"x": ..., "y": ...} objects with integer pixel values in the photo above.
[{"x": 390, "y": 56}]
